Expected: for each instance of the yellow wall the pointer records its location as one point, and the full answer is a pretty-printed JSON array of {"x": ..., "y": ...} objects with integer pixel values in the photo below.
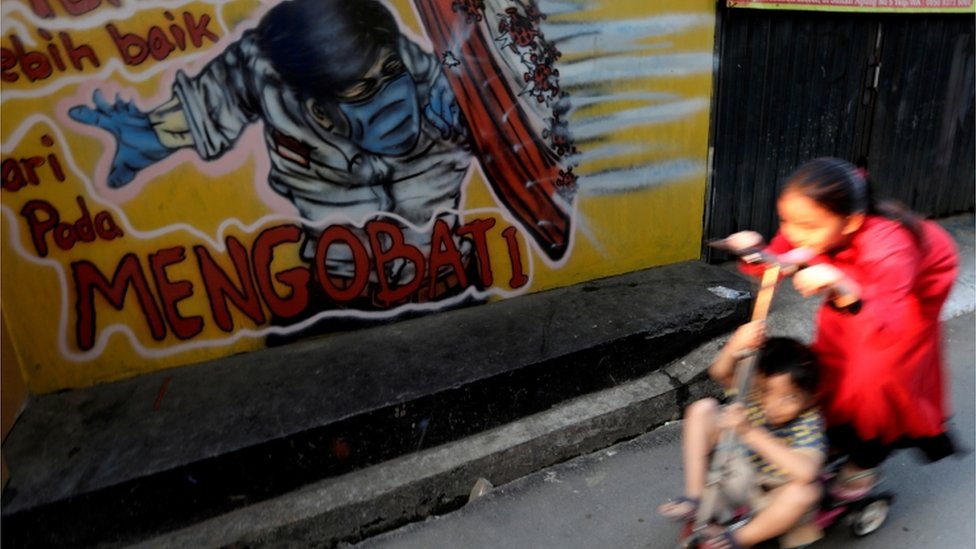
[{"x": 638, "y": 75}]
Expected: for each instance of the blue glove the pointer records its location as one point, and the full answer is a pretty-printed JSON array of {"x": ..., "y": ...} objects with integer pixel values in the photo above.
[
  {"x": 443, "y": 112},
  {"x": 137, "y": 143}
]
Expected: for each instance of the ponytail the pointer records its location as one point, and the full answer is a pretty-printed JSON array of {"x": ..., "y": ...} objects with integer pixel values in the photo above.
[{"x": 894, "y": 210}]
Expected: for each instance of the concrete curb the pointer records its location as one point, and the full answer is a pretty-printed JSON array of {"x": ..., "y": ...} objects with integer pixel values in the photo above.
[{"x": 382, "y": 497}]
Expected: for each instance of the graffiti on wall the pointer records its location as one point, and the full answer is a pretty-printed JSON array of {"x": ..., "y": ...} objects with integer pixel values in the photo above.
[{"x": 184, "y": 179}]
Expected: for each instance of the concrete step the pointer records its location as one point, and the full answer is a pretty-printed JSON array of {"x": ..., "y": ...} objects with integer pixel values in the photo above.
[{"x": 235, "y": 439}]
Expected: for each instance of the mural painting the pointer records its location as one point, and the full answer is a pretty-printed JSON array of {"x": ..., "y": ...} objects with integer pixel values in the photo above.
[{"x": 186, "y": 180}]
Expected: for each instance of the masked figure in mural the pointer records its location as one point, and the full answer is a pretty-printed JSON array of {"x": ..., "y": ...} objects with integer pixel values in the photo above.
[{"x": 358, "y": 122}]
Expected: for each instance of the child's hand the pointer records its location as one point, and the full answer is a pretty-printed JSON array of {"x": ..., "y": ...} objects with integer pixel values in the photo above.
[
  {"x": 734, "y": 417},
  {"x": 744, "y": 240},
  {"x": 826, "y": 278},
  {"x": 747, "y": 338}
]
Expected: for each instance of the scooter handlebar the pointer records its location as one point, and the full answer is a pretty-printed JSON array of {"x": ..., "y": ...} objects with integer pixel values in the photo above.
[{"x": 789, "y": 262}]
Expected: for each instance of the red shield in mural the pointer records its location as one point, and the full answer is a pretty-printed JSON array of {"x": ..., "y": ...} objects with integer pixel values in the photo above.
[{"x": 503, "y": 73}]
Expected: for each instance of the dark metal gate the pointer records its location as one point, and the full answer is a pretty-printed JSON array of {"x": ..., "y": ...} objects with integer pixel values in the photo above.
[{"x": 895, "y": 93}]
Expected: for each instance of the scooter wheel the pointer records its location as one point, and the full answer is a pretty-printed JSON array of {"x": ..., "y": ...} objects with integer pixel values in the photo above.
[{"x": 870, "y": 517}]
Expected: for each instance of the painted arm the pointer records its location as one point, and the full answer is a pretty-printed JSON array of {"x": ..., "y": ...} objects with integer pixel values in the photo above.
[
  {"x": 443, "y": 112},
  {"x": 441, "y": 108},
  {"x": 169, "y": 122},
  {"x": 207, "y": 112},
  {"x": 142, "y": 138}
]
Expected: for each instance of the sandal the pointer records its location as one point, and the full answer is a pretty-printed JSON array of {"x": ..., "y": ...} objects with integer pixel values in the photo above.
[
  {"x": 843, "y": 490},
  {"x": 679, "y": 509},
  {"x": 722, "y": 540}
]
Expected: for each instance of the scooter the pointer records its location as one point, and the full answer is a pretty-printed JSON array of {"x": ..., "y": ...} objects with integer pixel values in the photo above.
[{"x": 864, "y": 515}]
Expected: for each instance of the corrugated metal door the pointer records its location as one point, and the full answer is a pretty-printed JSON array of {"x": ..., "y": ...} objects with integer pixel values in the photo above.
[
  {"x": 921, "y": 147},
  {"x": 894, "y": 93}
]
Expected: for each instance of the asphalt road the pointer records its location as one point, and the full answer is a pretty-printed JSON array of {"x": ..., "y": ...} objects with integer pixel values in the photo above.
[{"x": 607, "y": 499}]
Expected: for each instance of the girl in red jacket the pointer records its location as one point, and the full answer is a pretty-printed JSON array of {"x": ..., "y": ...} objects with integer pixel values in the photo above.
[{"x": 885, "y": 274}]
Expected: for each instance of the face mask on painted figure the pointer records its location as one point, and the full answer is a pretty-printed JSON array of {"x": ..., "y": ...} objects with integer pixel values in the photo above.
[
  {"x": 388, "y": 123},
  {"x": 379, "y": 112}
]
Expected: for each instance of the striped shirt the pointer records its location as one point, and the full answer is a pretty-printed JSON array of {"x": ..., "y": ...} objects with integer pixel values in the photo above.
[{"x": 804, "y": 432}]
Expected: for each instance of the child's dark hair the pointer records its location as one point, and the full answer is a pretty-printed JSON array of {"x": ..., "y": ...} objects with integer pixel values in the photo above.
[
  {"x": 785, "y": 355},
  {"x": 843, "y": 189}
]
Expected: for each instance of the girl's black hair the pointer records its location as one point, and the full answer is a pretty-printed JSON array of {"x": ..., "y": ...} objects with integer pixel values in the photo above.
[
  {"x": 843, "y": 189},
  {"x": 321, "y": 47},
  {"x": 785, "y": 355}
]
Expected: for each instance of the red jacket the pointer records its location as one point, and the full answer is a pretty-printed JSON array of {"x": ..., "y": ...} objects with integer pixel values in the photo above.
[{"x": 882, "y": 369}]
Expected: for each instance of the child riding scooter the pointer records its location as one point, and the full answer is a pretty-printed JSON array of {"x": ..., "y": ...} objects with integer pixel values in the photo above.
[
  {"x": 773, "y": 467},
  {"x": 765, "y": 478}
]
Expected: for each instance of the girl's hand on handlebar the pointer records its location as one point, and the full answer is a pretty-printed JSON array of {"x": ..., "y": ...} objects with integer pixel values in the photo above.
[{"x": 826, "y": 278}]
